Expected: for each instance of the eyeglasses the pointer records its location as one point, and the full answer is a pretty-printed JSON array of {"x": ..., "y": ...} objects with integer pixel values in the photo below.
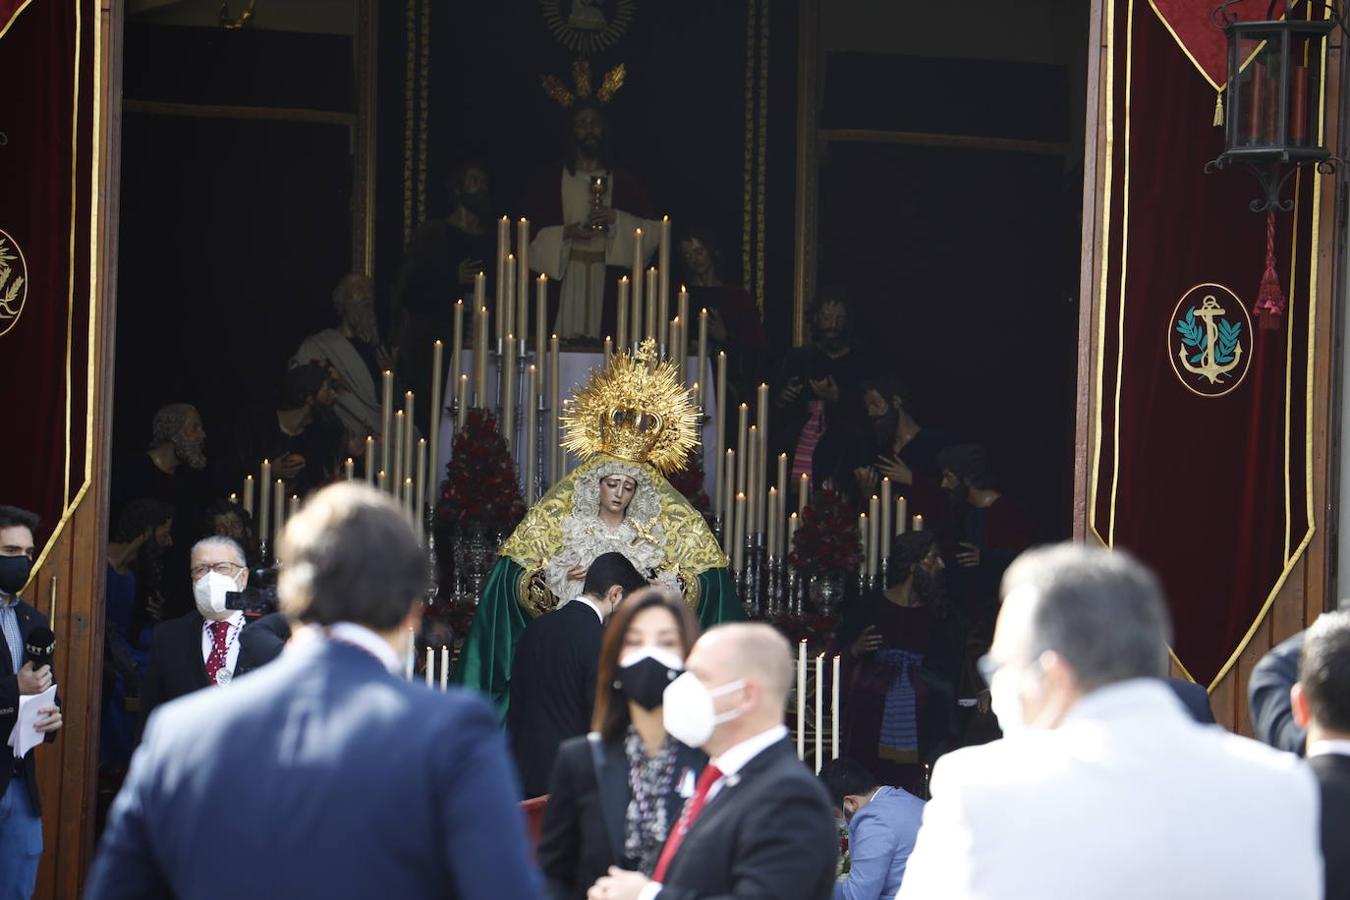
[{"x": 227, "y": 569}]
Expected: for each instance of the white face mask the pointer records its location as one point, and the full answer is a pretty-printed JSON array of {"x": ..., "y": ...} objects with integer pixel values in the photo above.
[
  {"x": 688, "y": 711},
  {"x": 209, "y": 593},
  {"x": 1006, "y": 701}
]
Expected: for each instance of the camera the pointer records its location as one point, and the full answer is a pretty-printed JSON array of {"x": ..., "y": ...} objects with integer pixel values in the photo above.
[{"x": 260, "y": 597}]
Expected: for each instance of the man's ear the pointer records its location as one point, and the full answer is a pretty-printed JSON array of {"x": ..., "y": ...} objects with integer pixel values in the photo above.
[
  {"x": 614, "y": 596},
  {"x": 1299, "y": 702}
]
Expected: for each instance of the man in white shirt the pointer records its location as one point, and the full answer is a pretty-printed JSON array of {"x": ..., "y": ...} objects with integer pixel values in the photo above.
[
  {"x": 1321, "y": 704},
  {"x": 1103, "y": 786},
  {"x": 759, "y": 824},
  {"x": 202, "y": 648}
]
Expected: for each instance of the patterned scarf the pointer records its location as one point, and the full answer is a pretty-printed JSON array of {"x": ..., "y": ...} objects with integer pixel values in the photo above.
[{"x": 649, "y": 780}]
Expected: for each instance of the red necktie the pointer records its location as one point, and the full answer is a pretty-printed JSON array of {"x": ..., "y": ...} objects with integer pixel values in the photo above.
[
  {"x": 706, "y": 780},
  {"x": 217, "y": 659}
]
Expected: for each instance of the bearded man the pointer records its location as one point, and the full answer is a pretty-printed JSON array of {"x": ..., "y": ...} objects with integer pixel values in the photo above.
[{"x": 351, "y": 351}]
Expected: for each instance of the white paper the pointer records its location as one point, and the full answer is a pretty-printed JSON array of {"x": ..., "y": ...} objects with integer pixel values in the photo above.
[{"x": 25, "y": 735}]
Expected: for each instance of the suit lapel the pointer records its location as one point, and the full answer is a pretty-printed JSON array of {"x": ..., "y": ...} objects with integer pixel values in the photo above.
[
  {"x": 192, "y": 649},
  {"x": 611, "y": 781},
  {"x": 766, "y": 759}
]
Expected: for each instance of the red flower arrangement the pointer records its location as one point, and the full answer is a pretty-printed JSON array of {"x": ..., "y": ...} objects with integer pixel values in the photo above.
[
  {"x": 480, "y": 479},
  {"x": 827, "y": 539},
  {"x": 689, "y": 482}
]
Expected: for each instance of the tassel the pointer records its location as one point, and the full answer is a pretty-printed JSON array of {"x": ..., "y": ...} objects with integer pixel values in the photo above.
[
  {"x": 1218, "y": 110},
  {"x": 1269, "y": 299}
]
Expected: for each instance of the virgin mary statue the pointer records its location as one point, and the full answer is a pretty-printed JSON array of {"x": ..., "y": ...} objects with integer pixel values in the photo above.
[{"x": 630, "y": 423}]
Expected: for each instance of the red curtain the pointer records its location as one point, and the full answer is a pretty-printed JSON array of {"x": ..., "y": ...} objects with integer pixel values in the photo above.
[
  {"x": 46, "y": 111},
  {"x": 1211, "y": 491}
]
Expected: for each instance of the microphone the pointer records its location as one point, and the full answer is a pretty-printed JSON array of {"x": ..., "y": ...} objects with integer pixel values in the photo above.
[{"x": 40, "y": 647}]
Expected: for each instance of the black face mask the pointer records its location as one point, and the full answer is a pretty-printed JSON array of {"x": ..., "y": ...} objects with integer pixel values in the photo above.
[
  {"x": 644, "y": 681},
  {"x": 14, "y": 571}
]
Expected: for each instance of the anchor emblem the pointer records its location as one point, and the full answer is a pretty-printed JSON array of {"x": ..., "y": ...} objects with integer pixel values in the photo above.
[{"x": 1208, "y": 340}]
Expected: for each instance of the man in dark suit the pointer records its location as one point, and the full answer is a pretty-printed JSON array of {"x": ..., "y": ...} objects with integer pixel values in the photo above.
[
  {"x": 553, "y": 672},
  {"x": 1195, "y": 698},
  {"x": 203, "y": 648},
  {"x": 758, "y": 824},
  {"x": 325, "y": 774},
  {"x": 20, "y": 806},
  {"x": 1268, "y": 697},
  {"x": 1321, "y": 704}
]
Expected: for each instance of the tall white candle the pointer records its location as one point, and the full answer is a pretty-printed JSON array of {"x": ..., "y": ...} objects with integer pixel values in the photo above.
[
  {"x": 457, "y": 341},
  {"x": 820, "y": 687},
  {"x": 461, "y": 401},
  {"x": 445, "y": 668},
  {"x": 531, "y": 436},
  {"x": 381, "y": 480},
  {"x": 792, "y": 530},
  {"x": 480, "y": 360},
  {"x": 738, "y": 541},
  {"x": 397, "y": 473},
  {"x": 727, "y": 494},
  {"x": 508, "y": 395},
  {"x": 409, "y": 445},
  {"x": 901, "y": 515},
  {"x": 608, "y": 349},
  {"x": 264, "y": 521},
  {"x": 752, "y": 482},
  {"x": 522, "y": 317},
  {"x": 556, "y": 458},
  {"x": 421, "y": 483},
  {"x": 663, "y": 265},
  {"x": 834, "y": 711},
  {"x": 386, "y": 418},
  {"x": 430, "y": 672},
  {"x": 621, "y": 313},
  {"x": 873, "y": 538},
  {"x": 654, "y": 316},
  {"x": 508, "y": 305},
  {"x": 436, "y": 410},
  {"x": 248, "y": 494},
  {"x": 368, "y": 463},
  {"x": 761, "y": 461},
  {"x": 503, "y": 249},
  {"x": 278, "y": 509},
  {"x": 918, "y": 523},
  {"x": 773, "y": 522},
  {"x": 720, "y": 412},
  {"x": 540, "y": 325},
  {"x": 701, "y": 370},
  {"x": 742, "y": 438},
  {"x": 349, "y": 469},
  {"x": 862, "y": 543},
  {"x": 885, "y": 519},
  {"x": 639, "y": 263},
  {"x": 803, "y": 492},
  {"x": 801, "y": 700}
]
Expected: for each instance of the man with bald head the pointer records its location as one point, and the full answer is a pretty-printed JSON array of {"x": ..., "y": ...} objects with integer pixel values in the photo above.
[
  {"x": 351, "y": 350},
  {"x": 758, "y": 824},
  {"x": 1103, "y": 785}
]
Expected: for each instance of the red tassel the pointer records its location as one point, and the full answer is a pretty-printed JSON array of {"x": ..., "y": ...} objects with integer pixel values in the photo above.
[{"x": 1269, "y": 306}]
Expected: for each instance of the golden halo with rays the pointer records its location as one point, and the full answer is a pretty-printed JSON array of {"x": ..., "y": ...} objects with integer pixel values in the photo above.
[{"x": 633, "y": 409}]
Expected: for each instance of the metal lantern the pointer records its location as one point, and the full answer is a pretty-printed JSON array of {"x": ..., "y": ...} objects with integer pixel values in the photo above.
[{"x": 1273, "y": 95}]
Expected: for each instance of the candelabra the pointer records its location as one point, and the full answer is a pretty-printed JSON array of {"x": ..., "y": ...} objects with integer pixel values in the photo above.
[{"x": 433, "y": 566}]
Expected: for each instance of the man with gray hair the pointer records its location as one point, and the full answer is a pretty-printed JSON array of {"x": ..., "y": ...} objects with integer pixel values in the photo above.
[
  {"x": 358, "y": 783},
  {"x": 1103, "y": 786},
  {"x": 202, "y": 648},
  {"x": 758, "y": 824}
]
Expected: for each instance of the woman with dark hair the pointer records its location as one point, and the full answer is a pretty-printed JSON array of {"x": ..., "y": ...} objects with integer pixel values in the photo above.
[
  {"x": 617, "y": 792},
  {"x": 902, "y": 651}
]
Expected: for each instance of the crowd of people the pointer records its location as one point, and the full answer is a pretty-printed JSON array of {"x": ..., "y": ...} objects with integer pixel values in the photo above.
[{"x": 682, "y": 780}]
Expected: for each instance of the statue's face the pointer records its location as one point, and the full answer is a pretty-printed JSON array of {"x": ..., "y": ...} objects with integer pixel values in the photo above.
[{"x": 616, "y": 492}]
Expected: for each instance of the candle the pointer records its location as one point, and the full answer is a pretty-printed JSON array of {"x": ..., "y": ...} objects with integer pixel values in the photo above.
[
  {"x": 264, "y": 501},
  {"x": 873, "y": 538},
  {"x": 522, "y": 318},
  {"x": 408, "y": 662},
  {"x": 457, "y": 339},
  {"x": 782, "y": 481},
  {"x": 820, "y": 687},
  {"x": 405, "y": 497},
  {"x": 386, "y": 417},
  {"x": 918, "y": 523},
  {"x": 663, "y": 265},
  {"x": 792, "y": 530},
  {"x": 720, "y": 411},
  {"x": 437, "y": 387},
  {"x": 278, "y": 510},
  {"x": 862, "y": 542},
  {"x": 507, "y": 307},
  {"x": 742, "y": 421},
  {"x": 430, "y": 672},
  {"x": 531, "y": 431},
  {"x": 248, "y": 494},
  {"x": 682, "y": 353},
  {"x": 673, "y": 343},
  {"x": 752, "y": 482},
  {"x": 368, "y": 462},
  {"x": 480, "y": 355},
  {"x": 727, "y": 494},
  {"x": 803, "y": 492},
  {"x": 507, "y": 400},
  {"x": 738, "y": 538},
  {"x": 834, "y": 711},
  {"x": 773, "y": 522},
  {"x": 349, "y": 469},
  {"x": 397, "y": 471},
  {"x": 381, "y": 480},
  {"x": 761, "y": 461},
  {"x": 292, "y": 507},
  {"x": 540, "y": 327},
  {"x": 885, "y": 519},
  {"x": 409, "y": 447},
  {"x": 621, "y": 309},
  {"x": 445, "y": 667},
  {"x": 555, "y": 456},
  {"x": 421, "y": 482},
  {"x": 461, "y": 402},
  {"x": 801, "y": 700},
  {"x": 901, "y": 515},
  {"x": 654, "y": 322},
  {"x": 639, "y": 260},
  {"x": 234, "y": 498},
  {"x": 702, "y": 358},
  {"x": 503, "y": 248},
  {"x": 609, "y": 349}
]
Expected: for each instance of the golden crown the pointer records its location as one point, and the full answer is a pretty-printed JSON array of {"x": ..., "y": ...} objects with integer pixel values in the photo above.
[{"x": 633, "y": 409}]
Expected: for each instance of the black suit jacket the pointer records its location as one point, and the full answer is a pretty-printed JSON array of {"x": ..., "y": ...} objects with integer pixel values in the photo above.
[
  {"x": 582, "y": 833},
  {"x": 552, "y": 688},
  {"x": 1195, "y": 698},
  {"x": 769, "y": 832},
  {"x": 1268, "y": 695},
  {"x": 29, "y": 619},
  {"x": 1333, "y": 775},
  {"x": 176, "y": 666}
]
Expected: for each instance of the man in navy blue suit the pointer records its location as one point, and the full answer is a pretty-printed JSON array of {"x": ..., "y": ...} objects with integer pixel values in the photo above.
[{"x": 325, "y": 774}]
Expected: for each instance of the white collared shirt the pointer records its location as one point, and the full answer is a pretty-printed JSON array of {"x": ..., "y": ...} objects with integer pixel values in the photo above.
[
  {"x": 582, "y": 598},
  {"x": 738, "y": 757},
  {"x": 364, "y": 638},
  {"x": 236, "y": 620},
  {"x": 1328, "y": 747}
]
